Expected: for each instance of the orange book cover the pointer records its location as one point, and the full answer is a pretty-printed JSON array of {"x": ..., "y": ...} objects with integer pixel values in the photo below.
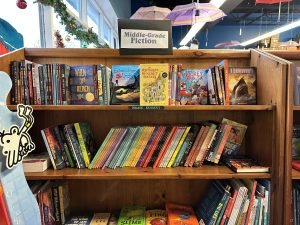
[
  {"x": 154, "y": 145},
  {"x": 194, "y": 146},
  {"x": 165, "y": 147},
  {"x": 181, "y": 214}
]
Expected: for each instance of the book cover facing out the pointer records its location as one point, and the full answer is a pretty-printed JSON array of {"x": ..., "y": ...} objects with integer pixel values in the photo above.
[{"x": 145, "y": 37}]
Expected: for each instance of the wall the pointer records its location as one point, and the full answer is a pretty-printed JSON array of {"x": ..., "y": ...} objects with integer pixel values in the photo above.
[{"x": 122, "y": 8}]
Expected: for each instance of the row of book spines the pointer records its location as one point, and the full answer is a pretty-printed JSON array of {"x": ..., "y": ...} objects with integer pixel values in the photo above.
[
  {"x": 217, "y": 77},
  {"x": 65, "y": 146},
  {"x": 296, "y": 202},
  {"x": 51, "y": 84},
  {"x": 174, "y": 83},
  {"x": 38, "y": 84},
  {"x": 236, "y": 203},
  {"x": 161, "y": 146}
]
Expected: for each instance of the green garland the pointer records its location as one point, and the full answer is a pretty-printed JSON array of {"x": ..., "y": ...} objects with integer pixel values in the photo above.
[{"x": 71, "y": 25}]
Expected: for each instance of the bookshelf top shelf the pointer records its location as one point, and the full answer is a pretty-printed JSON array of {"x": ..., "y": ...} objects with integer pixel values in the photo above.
[
  {"x": 114, "y": 53},
  {"x": 205, "y": 172},
  {"x": 169, "y": 108}
]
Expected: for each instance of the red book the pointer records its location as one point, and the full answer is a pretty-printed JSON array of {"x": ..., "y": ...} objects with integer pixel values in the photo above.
[
  {"x": 296, "y": 164},
  {"x": 153, "y": 146},
  {"x": 165, "y": 147},
  {"x": 229, "y": 207},
  {"x": 3, "y": 211}
]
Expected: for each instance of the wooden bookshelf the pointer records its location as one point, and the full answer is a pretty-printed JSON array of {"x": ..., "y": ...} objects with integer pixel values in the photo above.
[
  {"x": 95, "y": 190},
  {"x": 292, "y": 114},
  {"x": 205, "y": 172}
]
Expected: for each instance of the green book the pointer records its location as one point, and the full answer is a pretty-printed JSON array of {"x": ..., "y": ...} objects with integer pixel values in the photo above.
[{"x": 132, "y": 215}]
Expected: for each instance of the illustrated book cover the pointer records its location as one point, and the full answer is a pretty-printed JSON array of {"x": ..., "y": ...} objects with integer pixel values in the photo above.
[
  {"x": 156, "y": 217},
  {"x": 154, "y": 84},
  {"x": 193, "y": 87},
  {"x": 132, "y": 215},
  {"x": 242, "y": 85},
  {"x": 180, "y": 214},
  {"x": 125, "y": 84},
  {"x": 245, "y": 165}
]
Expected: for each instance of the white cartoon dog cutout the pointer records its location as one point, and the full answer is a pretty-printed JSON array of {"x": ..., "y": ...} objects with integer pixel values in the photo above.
[{"x": 17, "y": 142}]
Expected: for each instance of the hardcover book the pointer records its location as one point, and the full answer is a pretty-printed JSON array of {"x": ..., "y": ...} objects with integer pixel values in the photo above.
[
  {"x": 242, "y": 85},
  {"x": 154, "y": 84},
  {"x": 245, "y": 165},
  {"x": 125, "y": 84},
  {"x": 235, "y": 138},
  {"x": 132, "y": 215},
  {"x": 156, "y": 217},
  {"x": 193, "y": 87},
  {"x": 181, "y": 214},
  {"x": 82, "y": 91},
  {"x": 296, "y": 142},
  {"x": 79, "y": 220}
]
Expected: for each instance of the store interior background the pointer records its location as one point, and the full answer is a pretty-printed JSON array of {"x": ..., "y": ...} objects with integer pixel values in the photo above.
[{"x": 244, "y": 20}]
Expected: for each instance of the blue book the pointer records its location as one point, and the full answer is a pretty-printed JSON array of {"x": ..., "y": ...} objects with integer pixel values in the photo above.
[
  {"x": 125, "y": 84},
  {"x": 83, "y": 93}
]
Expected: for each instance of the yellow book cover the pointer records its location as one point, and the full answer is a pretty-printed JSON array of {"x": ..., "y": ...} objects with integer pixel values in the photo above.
[
  {"x": 154, "y": 84},
  {"x": 170, "y": 163},
  {"x": 156, "y": 217},
  {"x": 144, "y": 141}
]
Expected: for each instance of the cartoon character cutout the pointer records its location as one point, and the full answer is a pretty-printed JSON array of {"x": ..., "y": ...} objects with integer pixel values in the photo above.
[{"x": 16, "y": 143}]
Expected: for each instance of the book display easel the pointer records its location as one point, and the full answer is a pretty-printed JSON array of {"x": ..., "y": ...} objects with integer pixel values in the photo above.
[{"x": 110, "y": 190}]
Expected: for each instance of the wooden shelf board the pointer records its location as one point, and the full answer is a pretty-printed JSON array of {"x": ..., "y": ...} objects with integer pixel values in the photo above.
[
  {"x": 295, "y": 174},
  {"x": 205, "y": 172},
  {"x": 114, "y": 53},
  {"x": 296, "y": 107},
  {"x": 170, "y": 108}
]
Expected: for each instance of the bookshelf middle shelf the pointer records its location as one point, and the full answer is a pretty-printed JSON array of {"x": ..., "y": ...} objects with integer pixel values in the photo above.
[{"x": 204, "y": 172}]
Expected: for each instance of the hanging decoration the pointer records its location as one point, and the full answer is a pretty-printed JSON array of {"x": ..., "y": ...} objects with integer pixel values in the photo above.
[
  {"x": 22, "y": 4},
  {"x": 58, "y": 40},
  {"x": 71, "y": 25}
]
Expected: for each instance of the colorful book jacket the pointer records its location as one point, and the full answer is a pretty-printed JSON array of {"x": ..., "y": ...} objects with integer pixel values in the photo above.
[
  {"x": 156, "y": 217},
  {"x": 132, "y": 215},
  {"x": 181, "y": 214},
  {"x": 193, "y": 87},
  {"x": 125, "y": 84},
  {"x": 235, "y": 138},
  {"x": 82, "y": 89},
  {"x": 242, "y": 85},
  {"x": 154, "y": 84}
]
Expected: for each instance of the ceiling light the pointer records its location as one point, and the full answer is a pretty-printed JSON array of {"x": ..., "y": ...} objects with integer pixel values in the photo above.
[
  {"x": 273, "y": 32},
  {"x": 198, "y": 26}
]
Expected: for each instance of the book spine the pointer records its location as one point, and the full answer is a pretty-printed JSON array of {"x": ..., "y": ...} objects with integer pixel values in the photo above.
[
  {"x": 226, "y": 81},
  {"x": 187, "y": 150},
  {"x": 61, "y": 204},
  {"x": 61, "y": 145},
  {"x": 41, "y": 80},
  {"x": 173, "y": 84},
  {"x": 96, "y": 89},
  {"x": 76, "y": 145},
  {"x": 48, "y": 149},
  {"x": 104, "y": 85},
  {"x": 100, "y": 86},
  {"x": 55, "y": 197},
  {"x": 30, "y": 83},
  {"x": 63, "y": 84},
  {"x": 66, "y": 147},
  {"x": 179, "y": 74},
  {"x": 193, "y": 149},
  {"x": 82, "y": 144},
  {"x": 219, "y": 88},
  {"x": 182, "y": 149},
  {"x": 214, "y": 143},
  {"x": 222, "y": 143},
  {"x": 71, "y": 147},
  {"x": 14, "y": 75},
  {"x": 36, "y": 80}
]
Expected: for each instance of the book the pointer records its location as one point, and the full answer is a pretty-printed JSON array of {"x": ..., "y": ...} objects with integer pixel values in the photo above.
[
  {"x": 125, "y": 84},
  {"x": 193, "y": 87},
  {"x": 132, "y": 215},
  {"x": 156, "y": 217},
  {"x": 86, "y": 141},
  {"x": 36, "y": 162},
  {"x": 3, "y": 209},
  {"x": 235, "y": 138},
  {"x": 296, "y": 142},
  {"x": 100, "y": 219},
  {"x": 242, "y": 85},
  {"x": 81, "y": 92},
  {"x": 180, "y": 214},
  {"x": 296, "y": 164},
  {"x": 53, "y": 148},
  {"x": 245, "y": 165},
  {"x": 154, "y": 84},
  {"x": 79, "y": 220}
]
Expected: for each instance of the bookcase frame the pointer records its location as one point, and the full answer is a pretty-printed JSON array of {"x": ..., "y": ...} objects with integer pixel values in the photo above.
[
  {"x": 292, "y": 58},
  {"x": 95, "y": 190}
]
